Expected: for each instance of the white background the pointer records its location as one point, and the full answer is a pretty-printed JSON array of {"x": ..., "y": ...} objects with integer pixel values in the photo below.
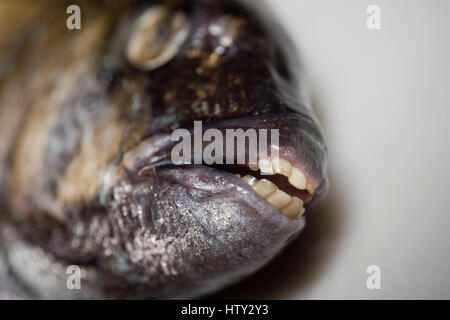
[{"x": 383, "y": 98}]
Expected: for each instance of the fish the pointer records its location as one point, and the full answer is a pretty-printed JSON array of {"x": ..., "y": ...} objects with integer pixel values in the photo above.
[{"x": 88, "y": 187}]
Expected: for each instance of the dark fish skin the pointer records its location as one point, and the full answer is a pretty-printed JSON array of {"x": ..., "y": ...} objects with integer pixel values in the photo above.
[{"x": 79, "y": 122}]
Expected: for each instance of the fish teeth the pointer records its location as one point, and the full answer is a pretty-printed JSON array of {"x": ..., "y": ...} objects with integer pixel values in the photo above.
[
  {"x": 294, "y": 209},
  {"x": 282, "y": 166},
  {"x": 279, "y": 199},
  {"x": 297, "y": 179},
  {"x": 311, "y": 188},
  {"x": 249, "y": 179},
  {"x": 291, "y": 207},
  {"x": 266, "y": 166},
  {"x": 295, "y": 176},
  {"x": 264, "y": 188}
]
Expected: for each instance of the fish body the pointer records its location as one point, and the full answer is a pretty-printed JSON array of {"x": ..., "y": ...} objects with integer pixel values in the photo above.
[{"x": 86, "y": 118}]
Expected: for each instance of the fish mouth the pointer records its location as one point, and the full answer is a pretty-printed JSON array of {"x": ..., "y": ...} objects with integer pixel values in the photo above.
[
  {"x": 290, "y": 183},
  {"x": 283, "y": 185}
]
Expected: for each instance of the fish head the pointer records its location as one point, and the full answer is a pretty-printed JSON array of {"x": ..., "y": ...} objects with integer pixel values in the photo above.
[{"x": 191, "y": 227}]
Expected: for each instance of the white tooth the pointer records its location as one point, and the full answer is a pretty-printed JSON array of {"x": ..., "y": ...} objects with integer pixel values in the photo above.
[
  {"x": 264, "y": 188},
  {"x": 297, "y": 179},
  {"x": 249, "y": 179},
  {"x": 279, "y": 199},
  {"x": 253, "y": 166},
  {"x": 294, "y": 208},
  {"x": 265, "y": 165},
  {"x": 282, "y": 166},
  {"x": 311, "y": 188}
]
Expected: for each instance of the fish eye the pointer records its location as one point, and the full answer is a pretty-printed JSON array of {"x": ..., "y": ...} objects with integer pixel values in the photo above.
[{"x": 156, "y": 37}]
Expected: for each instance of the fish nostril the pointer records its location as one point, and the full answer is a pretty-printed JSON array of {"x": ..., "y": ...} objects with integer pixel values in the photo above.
[{"x": 156, "y": 37}]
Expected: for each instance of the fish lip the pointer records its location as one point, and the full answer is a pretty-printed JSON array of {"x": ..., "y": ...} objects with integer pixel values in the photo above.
[
  {"x": 229, "y": 175},
  {"x": 238, "y": 182},
  {"x": 161, "y": 144}
]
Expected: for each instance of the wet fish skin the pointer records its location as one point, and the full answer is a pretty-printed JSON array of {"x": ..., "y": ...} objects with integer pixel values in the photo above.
[{"x": 72, "y": 108}]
